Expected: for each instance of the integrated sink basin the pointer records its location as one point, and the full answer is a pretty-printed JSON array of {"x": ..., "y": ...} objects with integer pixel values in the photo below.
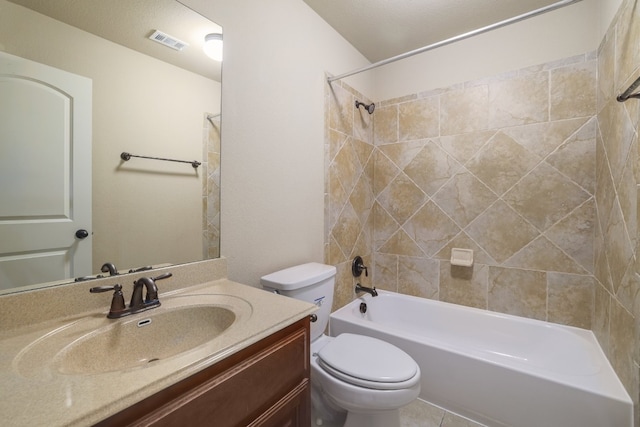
[
  {"x": 94, "y": 344},
  {"x": 134, "y": 343}
]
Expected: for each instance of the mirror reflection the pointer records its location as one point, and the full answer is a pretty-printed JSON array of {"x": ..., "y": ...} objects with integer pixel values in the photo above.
[{"x": 81, "y": 83}]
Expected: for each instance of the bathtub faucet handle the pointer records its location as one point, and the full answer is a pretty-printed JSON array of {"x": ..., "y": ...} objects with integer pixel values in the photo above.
[{"x": 357, "y": 266}]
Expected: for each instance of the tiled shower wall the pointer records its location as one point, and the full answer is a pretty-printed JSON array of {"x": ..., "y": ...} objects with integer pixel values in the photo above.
[
  {"x": 503, "y": 166},
  {"x": 617, "y": 300},
  {"x": 211, "y": 188},
  {"x": 534, "y": 170}
]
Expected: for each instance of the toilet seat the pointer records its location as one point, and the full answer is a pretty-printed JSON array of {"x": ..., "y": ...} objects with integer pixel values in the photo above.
[{"x": 368, "y": 362}]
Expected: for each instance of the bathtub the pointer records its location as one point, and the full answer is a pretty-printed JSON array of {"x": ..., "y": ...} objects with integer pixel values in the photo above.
[{"x": 496, "y": 369}]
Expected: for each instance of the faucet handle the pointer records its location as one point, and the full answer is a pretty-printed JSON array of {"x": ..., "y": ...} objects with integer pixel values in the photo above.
[
  {"x": 100, "y": 289},
  {"x": 357, "y": 266},
  {"x": 117, "y": 302}
]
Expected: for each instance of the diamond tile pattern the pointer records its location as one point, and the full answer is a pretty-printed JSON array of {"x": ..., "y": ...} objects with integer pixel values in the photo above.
[
  {"x": 501, "y": 172},
  {"x": 479, "y": 166}
]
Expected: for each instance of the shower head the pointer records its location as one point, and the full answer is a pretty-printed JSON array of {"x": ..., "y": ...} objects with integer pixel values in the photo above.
[{"x": 369, "y": 107}]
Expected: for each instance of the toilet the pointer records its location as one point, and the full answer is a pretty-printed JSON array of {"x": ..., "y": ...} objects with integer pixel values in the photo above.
[{"x": 356, "y": 380}]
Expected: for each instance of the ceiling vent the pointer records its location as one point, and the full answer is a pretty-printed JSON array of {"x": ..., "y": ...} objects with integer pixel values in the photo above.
[{"x": 168, "y": 41}]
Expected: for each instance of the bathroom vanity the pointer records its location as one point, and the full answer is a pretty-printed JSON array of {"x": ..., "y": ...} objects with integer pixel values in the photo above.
[
  {"x": 266, "y": 384},
  {"x": 214, "y": 353}
]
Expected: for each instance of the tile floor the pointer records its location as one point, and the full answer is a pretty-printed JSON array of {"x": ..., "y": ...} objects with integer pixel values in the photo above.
[{"x": 423, "y": 414}]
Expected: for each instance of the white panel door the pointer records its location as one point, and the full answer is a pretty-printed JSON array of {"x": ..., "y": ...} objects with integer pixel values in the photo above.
[{"x": 45, "y": 173}]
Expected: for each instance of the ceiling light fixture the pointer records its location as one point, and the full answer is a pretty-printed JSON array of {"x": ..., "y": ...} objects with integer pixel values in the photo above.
[{"x": 213, "y": 46}]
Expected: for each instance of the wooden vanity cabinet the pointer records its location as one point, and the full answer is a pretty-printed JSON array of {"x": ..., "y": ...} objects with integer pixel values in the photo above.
[{"x": 266, "y": 384}]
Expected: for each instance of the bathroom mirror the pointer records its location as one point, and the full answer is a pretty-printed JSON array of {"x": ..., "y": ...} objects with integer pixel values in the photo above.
[{"x": 147, "y": 99}]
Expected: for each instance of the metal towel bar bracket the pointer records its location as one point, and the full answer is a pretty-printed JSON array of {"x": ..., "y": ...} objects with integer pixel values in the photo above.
[
  {"x": 126, "y": 156},
  {"x": 629, "y": 92}
]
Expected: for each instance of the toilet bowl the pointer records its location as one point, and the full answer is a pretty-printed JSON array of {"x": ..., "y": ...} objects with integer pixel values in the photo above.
[{"x": 365, "y": 377}]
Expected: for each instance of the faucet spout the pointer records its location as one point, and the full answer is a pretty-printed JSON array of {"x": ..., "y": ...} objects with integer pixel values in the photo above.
[
  {"x": 108, "y": 267},
  {"x": 136, "y": 296},
  {"x": 372, "y": 291}
]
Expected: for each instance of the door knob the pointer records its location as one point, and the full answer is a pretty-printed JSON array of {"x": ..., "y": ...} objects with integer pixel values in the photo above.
[{"x": 82, "y": 233}]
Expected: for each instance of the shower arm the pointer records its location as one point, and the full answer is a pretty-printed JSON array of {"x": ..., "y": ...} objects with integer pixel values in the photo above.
[{"x": 454, "y": 39}]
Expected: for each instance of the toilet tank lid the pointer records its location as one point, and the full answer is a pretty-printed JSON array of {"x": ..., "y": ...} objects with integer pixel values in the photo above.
[{"x": 299, "y": 276}]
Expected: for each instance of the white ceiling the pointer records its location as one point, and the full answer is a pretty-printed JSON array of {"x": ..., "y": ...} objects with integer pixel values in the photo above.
[
  {"x": 130, "y": 23},
  {"x": 381, "y": 29}
]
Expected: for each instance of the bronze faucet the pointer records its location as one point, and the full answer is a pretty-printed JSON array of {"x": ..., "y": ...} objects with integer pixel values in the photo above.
[
  {"x": 372, "y": 291},
  {"x": 108, "y": 267},
  {"x": 118, "y": 308}
]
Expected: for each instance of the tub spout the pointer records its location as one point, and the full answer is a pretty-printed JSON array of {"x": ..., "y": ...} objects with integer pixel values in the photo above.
[{"x": 372, "y": 291}]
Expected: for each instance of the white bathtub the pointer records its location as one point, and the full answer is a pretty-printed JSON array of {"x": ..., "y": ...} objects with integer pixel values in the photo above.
[{"x": 496, "y": 369}]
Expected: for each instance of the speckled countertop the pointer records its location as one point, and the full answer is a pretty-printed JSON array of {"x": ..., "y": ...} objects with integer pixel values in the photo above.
[{"x": 36, "y": 392}]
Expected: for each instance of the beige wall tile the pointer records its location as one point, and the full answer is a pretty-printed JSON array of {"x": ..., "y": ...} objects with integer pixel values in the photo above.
[
  {"x": 431, "y": 168},
  {"x": 385, "y": 272},
  {"x": 384, "y": 226},
  {"x": 464, "y": 197},
  {"x": 545, "y": 196},
  {"x": 518, "y": 292},
  {"x": 401, "y": 153},
  {"x": 606, "y": 69},
  {"x": 541, "y": 254},
  {"x": 622, "y": 345},
  {"x": 627, "y": 36},
  {"x": 464, "y": 110},
  {"x": 543, "y": 138},
  {"x": 571, "y": 299},
  {"x": 418, "y": 276},
  {"x": 402, "y": 198},
  {"x": 464, "y": 146},
  {"x": 601, "y": 314},
  {"x": 431, "y": 228},
  {"x": 576, "y": 157},
  {"x": 384, "y": 172},
  {"x": 385, "y": 130},
  {"x": 501, "y": 163},
  {"x": 401, "y": 244},
  {"x": 573, "y": 91},
  {"x": 501, "y": 232},
  {"x": 575, "y": 235},
  {"x": 419, "y": 119},
  {"x": 617, "y": 246},
  {"x": 519, "y": 100},
  {"x": 464, "y": 285}
]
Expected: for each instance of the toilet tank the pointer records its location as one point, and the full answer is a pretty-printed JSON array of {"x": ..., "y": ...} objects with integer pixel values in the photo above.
[{"x": 312, "y": 282}]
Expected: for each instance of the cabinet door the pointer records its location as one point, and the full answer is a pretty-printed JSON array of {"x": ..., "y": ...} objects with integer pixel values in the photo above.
[{"x": 293, "y": 410}]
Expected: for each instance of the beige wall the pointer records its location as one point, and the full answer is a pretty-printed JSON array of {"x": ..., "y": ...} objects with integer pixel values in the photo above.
[
  {"x": 549, "y": 37},
  {"x": 276, "y": 54},
  {"x": 135, "y": 205}
]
